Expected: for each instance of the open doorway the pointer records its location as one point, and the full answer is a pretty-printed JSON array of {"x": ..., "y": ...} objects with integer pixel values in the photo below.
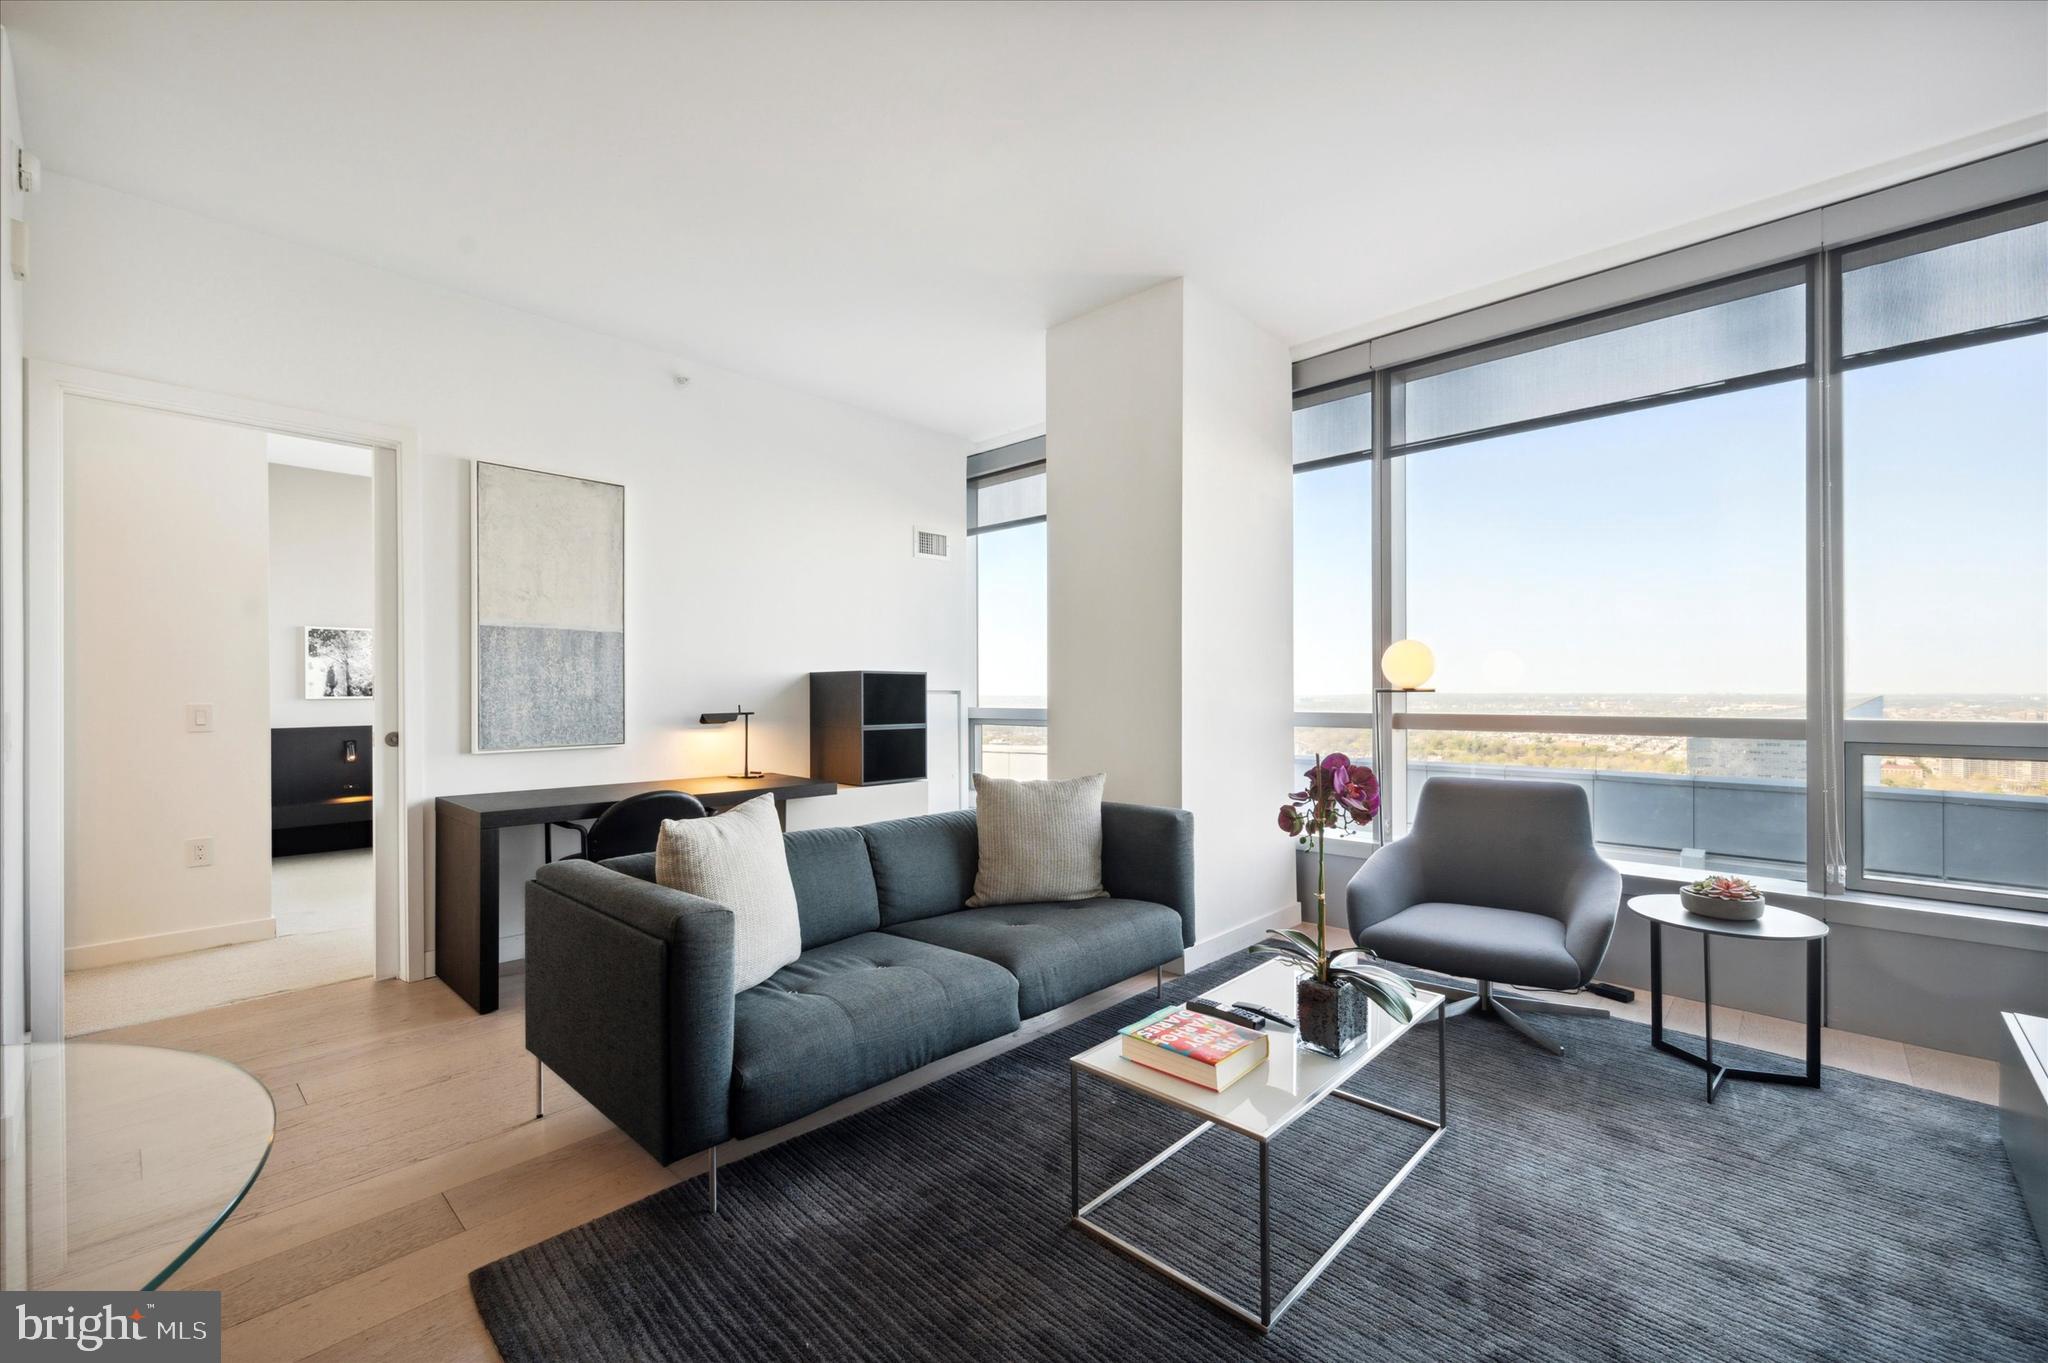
[{"x": 221, "y": 591}]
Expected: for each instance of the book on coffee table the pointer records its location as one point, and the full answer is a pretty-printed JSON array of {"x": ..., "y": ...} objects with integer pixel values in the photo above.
[{"x": 1194, "y": 1046}]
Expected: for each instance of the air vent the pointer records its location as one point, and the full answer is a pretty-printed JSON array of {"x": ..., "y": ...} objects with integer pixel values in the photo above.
[{"x": 930, "y": 544}]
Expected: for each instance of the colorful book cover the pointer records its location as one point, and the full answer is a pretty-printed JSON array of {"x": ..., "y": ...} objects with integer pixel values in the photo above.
[{"x": 1194, "y": 1035}]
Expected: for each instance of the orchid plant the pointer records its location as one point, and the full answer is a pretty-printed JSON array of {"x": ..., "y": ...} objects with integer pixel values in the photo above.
[{"x": 1339, "y": 798}]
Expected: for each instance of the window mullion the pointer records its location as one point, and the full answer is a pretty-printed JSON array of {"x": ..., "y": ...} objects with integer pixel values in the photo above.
[
  {"x": 1389, "y": 607},
  {"x": 1827, "y": 854}
]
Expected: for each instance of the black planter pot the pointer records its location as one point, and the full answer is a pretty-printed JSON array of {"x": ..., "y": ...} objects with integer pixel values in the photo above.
[{"x": 1332, "y": 1018}]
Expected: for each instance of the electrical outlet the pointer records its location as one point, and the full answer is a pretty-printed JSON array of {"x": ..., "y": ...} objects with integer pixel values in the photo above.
[
  {"x": 199, "y": 851},
  {"x": 199, "y": 718}
]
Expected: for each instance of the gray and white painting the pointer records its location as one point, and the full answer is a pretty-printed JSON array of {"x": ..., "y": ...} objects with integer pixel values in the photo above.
[
  {"x": 550, "y": 610},
  {"x": 337, "y": 663}
]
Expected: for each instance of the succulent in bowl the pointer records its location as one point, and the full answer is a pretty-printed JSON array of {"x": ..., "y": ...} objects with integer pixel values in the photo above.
[{"x": 1725, "y": 887}]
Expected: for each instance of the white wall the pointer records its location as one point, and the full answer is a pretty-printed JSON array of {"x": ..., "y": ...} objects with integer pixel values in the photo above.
[
  {"x": 1113, "y": 545},
  {"x": 165, "y": 580},
  {"x": 1169, "y": 572},
  {"x": 768, "y": 531},
  {"x": 13, "y": 206},
  {"x": 321, "y": 573},
  {"x": 1237, "y": 592}
]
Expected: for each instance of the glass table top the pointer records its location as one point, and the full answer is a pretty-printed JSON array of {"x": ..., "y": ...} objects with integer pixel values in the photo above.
[
  {"x": 117, "y": 1162},
  {"x": 1293, "y": 1079}
]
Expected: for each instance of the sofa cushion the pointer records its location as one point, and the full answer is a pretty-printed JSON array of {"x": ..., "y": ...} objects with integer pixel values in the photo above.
[
  {"x": 1059, "y": 952},
  {"x": 835, "y": 886},
  {"x": 737, "y": 860},
  {"x": 848, "y": 1015},
  {"x": 1038, "y": 841},
  {"x": 1501, "y": 945},
  {"x": 923, "y": 865}
]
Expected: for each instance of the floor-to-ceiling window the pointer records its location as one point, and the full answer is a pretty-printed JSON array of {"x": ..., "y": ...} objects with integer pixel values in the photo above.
[
  {"x": 1761, "y": 563},
  {"x": 1333, "y": 666},
  {"x": 1604, "y": 544},
  {"x": 1944, "y": 458},
  {"x": 1006, "y": 526}
]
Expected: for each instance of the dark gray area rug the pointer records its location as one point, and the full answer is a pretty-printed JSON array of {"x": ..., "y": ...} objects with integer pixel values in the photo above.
[{"x": 1589, "y": 1208}]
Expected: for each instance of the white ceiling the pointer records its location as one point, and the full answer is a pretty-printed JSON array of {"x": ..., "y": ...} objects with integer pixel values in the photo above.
[{"x": 889, "y": 203}]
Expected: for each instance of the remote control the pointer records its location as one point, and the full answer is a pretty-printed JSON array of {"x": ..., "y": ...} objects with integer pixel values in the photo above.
[
  {"x": 1267, "y": 1013},
  {"x": 1254, "y": 1021}
]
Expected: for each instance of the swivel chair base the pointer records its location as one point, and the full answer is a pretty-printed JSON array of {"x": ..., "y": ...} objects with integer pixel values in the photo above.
[{"x": 1485, "y": 1000}]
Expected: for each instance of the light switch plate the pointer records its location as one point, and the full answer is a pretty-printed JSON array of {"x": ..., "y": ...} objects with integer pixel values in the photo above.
[
  {"x": 199, "y": 851},
  {"x": 199, "y": 718}
]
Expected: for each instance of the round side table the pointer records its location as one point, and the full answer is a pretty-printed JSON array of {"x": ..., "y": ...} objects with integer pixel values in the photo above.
[{"x": 1776, "y": 925}]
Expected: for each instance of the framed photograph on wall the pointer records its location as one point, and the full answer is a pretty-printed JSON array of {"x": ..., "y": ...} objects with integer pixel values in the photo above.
[
  {"x": 337, "y": 663},
  {"x": 548, "y": 654}
]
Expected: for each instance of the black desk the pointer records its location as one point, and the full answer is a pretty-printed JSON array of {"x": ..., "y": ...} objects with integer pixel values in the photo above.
[{"x": 466, "y": 858}]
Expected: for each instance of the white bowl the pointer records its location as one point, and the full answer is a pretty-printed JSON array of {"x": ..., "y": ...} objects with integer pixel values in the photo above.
[{"x": 1709, "y": 906}]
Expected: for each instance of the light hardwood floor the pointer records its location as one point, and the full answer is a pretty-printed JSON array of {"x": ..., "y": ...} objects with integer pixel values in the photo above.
[{"x": 407, "y": 1155}]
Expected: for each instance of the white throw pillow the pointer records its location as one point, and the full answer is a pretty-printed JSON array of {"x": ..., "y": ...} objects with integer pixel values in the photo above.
[
  {"x": 1040, "y": 840},
  {"x": 736, "y": 859}
]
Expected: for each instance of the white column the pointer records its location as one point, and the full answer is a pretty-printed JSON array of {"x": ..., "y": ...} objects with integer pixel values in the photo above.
[{"x": 1170, "y": 526}]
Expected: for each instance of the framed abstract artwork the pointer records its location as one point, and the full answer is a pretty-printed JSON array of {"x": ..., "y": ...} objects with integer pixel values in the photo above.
[{"x": 549, "y": 603}]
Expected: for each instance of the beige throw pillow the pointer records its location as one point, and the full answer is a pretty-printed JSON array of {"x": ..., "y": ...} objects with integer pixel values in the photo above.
[
  {"x": 736, "y": 859},
  {"x": 1040, "y": 840}
]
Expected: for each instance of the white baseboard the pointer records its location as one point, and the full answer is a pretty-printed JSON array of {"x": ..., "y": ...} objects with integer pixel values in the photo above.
[
  {"x": 125, "y": 949},
  {"x": 1231, "y": 940}
]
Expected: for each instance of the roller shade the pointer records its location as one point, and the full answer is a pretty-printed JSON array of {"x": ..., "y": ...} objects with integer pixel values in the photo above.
[
  {"x": 1746, "y": 329},
  {"x": 1333, "y": 425},
  {"x": 1011, "y": 497},
  {"x": 1956, "y": 282}
]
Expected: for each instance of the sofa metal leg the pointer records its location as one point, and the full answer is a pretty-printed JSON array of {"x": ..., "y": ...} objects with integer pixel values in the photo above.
[
  {"x": 1158, "y": 981},
  {"x": 540, "y": 1105},
  {"x": 712, "y": 1182}
]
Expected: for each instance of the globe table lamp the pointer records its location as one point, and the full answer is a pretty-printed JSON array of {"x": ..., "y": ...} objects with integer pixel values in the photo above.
[{"x": 1407, "y": 665}]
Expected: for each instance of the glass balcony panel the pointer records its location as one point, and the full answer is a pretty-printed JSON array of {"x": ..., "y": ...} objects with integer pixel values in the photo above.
[{"x": 1969, "y": 822}]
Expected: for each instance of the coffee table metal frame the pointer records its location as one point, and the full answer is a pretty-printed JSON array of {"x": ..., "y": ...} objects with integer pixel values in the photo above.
[{"x": 1268, "y": 1313}]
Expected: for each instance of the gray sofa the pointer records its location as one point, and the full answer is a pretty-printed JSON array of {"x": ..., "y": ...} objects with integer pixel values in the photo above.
[{"x": 629, "y": 991}]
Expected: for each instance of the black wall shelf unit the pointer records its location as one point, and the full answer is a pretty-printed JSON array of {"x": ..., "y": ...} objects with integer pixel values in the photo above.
[{"x": 867, "y": 728}]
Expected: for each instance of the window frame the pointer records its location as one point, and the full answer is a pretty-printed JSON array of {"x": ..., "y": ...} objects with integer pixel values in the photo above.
[
  {"x": 1859, "y": 877},
  {"x": 1816, "y": 244}
]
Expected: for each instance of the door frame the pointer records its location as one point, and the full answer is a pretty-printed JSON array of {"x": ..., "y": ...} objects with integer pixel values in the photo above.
[{"x": 37, "y": 764}]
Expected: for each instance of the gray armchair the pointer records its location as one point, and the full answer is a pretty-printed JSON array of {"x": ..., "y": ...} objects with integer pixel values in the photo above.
[{"x": 1499, "y": 881}]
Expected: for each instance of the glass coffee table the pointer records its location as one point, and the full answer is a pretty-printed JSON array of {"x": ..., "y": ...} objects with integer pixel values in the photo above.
[
  {"x": 1260, "y": 1106},
  {"x": 118, "y": 1162}
]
